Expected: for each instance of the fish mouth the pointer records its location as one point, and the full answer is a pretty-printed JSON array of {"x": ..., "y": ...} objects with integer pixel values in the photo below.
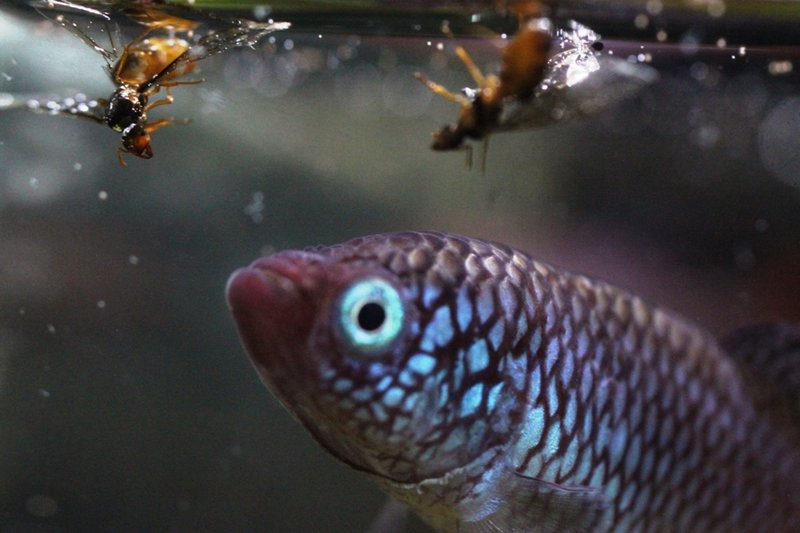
[
  {"x": 274, "y": 304},
  {"x": 249, "y": 284},
  {"x": 278, "y": 276}
]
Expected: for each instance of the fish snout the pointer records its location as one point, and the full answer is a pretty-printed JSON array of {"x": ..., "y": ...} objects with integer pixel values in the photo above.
[{"x": 273, "y": 313}]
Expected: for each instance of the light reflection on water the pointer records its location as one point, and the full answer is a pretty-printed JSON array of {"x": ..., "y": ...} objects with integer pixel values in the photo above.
[{"x": 142, "y": 412}]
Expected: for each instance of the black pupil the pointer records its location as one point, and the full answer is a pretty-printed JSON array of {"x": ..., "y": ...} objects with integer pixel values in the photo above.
[{"x": 371, "y": 316}]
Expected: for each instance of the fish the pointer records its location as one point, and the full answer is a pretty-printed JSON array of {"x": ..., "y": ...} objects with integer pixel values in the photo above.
[{"x": 488, "y": 391}]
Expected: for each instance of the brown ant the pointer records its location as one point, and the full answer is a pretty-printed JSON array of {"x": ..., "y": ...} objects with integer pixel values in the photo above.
[
  {"x": 145, "y": 65},
  {"x": 547, "y": 76},
  {"x": 523, "y": 66}
]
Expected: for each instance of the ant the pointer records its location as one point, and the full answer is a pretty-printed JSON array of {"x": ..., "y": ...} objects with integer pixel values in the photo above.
[
  {"x": 523, "y": 67},
  {"x": 145, "y": 65},
  {"x": 547, "y": 76}
]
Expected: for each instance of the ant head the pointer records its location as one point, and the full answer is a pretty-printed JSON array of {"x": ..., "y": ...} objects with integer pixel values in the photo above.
[
  {"x": 448, "y": 138},
  {"x": 136, "y": 140}
]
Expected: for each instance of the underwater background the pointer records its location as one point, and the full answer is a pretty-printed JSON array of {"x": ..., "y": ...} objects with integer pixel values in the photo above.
[{"x": 126, "y": 402}]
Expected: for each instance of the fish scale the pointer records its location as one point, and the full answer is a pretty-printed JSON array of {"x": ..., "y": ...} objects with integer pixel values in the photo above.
[{"x": 509, "y": 395}]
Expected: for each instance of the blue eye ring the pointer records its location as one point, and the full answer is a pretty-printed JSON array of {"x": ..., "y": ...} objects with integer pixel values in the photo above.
[{"x": 370, "y": 315}]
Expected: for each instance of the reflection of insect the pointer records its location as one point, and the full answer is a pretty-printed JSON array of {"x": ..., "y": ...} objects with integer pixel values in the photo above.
[
  {"x": 524, "y": 62},
  {"x": 145, "y": 65},
  {"x": 546, "y": 77}
]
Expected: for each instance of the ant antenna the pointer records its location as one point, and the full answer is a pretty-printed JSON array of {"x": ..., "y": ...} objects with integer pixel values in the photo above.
[{"x": 484, "y": 154}]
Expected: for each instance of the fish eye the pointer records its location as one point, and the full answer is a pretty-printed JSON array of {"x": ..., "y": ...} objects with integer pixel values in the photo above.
[{"x": 370, "y": 315}]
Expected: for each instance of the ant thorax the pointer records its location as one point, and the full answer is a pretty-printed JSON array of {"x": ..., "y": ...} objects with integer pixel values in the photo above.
[{"x": 125, "y": 107}]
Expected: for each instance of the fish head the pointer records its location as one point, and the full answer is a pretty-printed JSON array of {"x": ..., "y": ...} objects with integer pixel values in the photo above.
[{"x": 366, "y": 344}]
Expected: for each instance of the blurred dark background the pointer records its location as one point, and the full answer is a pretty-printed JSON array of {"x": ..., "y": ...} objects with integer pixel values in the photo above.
[{"x": 126, "y": 402}]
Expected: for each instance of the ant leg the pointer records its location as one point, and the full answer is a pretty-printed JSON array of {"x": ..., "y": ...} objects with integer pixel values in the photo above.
[
  {"x": 465, "y": 58},
  {"x": 150, "y": 127},
  {"x": 442, "y": 91},
  {"x": 472, "y": 68},
  {"x": 178, "y": 83},
  {"x": 158, "y": 124},
  {"x": 168, "y": 99},
  {"x": 484, "y": 154},
  {"x": 121, "y": 159}
]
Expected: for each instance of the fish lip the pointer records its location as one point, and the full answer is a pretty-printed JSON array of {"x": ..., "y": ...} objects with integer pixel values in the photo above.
[
  {"x": 289, "y": 273},
  {"x": 279, "y": 268},
  {"x": 246, "y": 282}
]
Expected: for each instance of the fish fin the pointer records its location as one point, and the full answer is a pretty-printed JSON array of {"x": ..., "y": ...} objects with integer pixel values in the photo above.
[
  {"x": 392, "y": 518},
  {"x": 531, "y": 505},
  {"x": 768, "y": 356}
]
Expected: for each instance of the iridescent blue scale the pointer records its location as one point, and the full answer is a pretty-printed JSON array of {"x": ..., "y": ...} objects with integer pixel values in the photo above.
[
  {"x": 379, "y": 412},
  {"x": 492, "y": 397},
  {"x": 383, "y": 384},
  {"x": 551, "y": 356},
  {"x": 471, "y": 400},
  {"x": 362, "y": 394},
  {"x": 585, "y": 463},
  {"x": 407, "y": 378},
  {"x": 485, "y": 306},
  {"x": 567, "y": 368},
  {"x": 496, "y": 335},
  {"x": 535, "y": 382},
  {"x": 410, "y": 401},
  {"x": 477, "y": 356},
  {"x": 530, "y": 433},
  {"x": 570, "y": 414},
  {"x": 342, "y": 385},
  {"x": 552, "y": 440},
  {"x": 393, "y": 397},
  {"x": 552, "y": 398},
  {"x": 569, "y": 458},
  {"x": 438, "y": 332},
  {"x": 422, "y": 363}
]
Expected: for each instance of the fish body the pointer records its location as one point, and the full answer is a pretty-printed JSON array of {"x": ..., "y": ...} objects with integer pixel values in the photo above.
[{"x": 492, "y": 392}]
